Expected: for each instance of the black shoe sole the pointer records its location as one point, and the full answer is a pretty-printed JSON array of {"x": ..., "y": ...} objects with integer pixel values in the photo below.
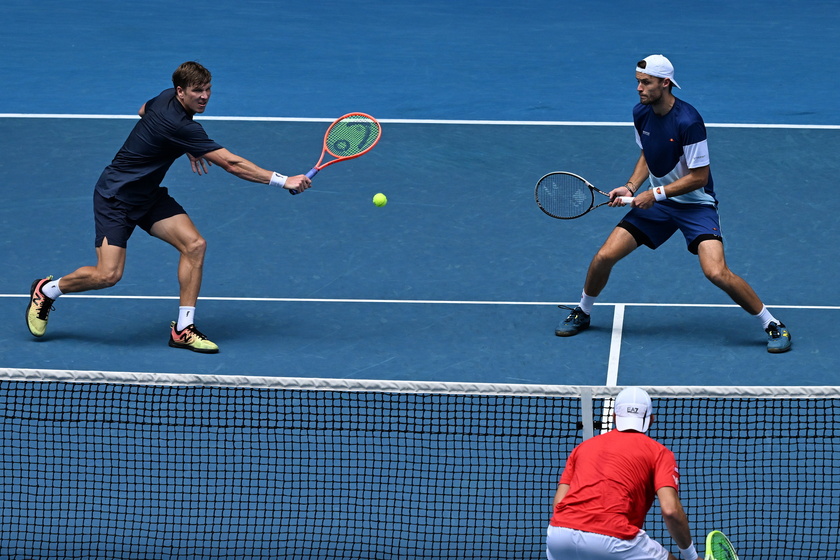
[{"x": 567, "y": 334}]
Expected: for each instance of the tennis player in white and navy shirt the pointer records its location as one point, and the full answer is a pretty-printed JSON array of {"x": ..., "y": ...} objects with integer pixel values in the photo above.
[{"x": 675, "y": 161}]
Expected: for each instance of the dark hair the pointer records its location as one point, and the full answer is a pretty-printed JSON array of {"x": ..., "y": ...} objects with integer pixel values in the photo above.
[
  {"x": 191, "y": 74},
  {"x": 642, "y": 64}
]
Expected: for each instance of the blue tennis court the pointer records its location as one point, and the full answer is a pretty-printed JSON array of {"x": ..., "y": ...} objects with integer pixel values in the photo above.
[
  {"x": 458, "y": 278},
  {"x": 454, "y": 282}
]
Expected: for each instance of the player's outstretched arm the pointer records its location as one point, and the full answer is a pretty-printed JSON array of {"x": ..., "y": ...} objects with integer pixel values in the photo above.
[{"x": 250, "y": 171}]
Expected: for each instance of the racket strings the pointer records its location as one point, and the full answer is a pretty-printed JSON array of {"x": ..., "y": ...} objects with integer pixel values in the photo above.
[
  {"x": 723, "y": 551},
  {"x": 720, "y": 548},
  {"x": 564, "y": 196},
  {"x": 352, "y": 135}
]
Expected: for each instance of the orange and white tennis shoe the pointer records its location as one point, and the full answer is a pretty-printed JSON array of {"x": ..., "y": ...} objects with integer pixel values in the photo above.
[
  {"x": 191, "y": 339},
  {"x": 38, "y": 310}
]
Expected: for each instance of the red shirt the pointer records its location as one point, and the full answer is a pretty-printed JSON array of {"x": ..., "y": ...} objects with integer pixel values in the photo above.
[{"x": 613, "y": 479}]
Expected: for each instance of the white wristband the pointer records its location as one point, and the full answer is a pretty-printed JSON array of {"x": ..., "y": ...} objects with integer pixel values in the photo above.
[
  {"x": 659, "y": 194},
  {"x": 277, "y": 180},
  {"x": 689, "y": 553}
]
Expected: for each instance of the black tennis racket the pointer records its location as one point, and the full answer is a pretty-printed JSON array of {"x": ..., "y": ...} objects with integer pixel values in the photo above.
[
  {"x": 567, "y": 196},
  {"x": 718, "y": 547}
]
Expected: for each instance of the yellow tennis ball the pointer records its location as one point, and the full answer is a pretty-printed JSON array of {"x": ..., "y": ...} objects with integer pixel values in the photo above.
[{"x": 380, "y": 199}]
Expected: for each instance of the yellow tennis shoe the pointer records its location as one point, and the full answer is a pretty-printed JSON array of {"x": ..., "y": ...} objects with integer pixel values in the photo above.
[
  {"x": 192, "y": 339},
  {"x": 38, "y": 310}
]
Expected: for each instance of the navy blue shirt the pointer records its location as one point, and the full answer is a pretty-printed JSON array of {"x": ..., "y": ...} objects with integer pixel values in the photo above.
[
  {"x": 163, "y": 134},
  {"x": 673, "y": 144}
]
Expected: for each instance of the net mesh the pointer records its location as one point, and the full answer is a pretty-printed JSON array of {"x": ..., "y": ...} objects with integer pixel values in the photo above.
[{"x": 129, "y": 470}]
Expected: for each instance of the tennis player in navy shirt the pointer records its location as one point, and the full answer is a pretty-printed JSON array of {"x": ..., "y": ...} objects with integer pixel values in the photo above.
[
  {"x": 129, "y": 194},
  {"x": 675, "y": 159}
]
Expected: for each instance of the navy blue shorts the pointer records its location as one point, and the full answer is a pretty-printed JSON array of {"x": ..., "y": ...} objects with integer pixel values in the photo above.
[
  {"x": 654, "y": 226},
  {"x": 116, "y": 219}
]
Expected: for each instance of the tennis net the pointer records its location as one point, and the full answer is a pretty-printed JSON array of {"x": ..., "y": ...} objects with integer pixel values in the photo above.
[{"x": 152, "y": 466}]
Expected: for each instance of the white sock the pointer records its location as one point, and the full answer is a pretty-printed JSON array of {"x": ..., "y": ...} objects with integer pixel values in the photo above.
[
  {"x": 51, "y": 289},
  {"x": 586, "y": 303},
  {"x": 186, "y": 317},
  {"x": 766, "y": 317}
]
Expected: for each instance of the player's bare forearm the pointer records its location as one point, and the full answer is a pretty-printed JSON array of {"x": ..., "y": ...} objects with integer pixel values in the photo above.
[
  {"x": 252, "y": 172},
  {"x": 238, "y": 166},
  {"x": 696, "y": 179},
  {"x": 679, "y": 530},
  {"x": 674, "y": 516},
  {"x": 633, "y": 185},
  {"x": 640, "y": 174}
]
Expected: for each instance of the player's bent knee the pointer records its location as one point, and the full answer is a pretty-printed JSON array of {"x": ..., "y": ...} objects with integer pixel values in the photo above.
[
  {"x": 110, "y": 278},
  {"x": 196, "y": 247},
  {"x": 714, "y": 279},
  {"x": 719, "y": 276},
  {"x": 605, "y": 259}
]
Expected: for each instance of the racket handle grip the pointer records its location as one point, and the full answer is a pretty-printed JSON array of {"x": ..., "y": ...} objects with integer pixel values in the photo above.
[
  {"x": 626, "y": 199},
  {"x": 311, "y": 173}
]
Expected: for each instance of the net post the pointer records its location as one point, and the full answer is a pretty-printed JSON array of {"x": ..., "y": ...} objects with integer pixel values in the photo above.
[{"x": 586, "y": 412}]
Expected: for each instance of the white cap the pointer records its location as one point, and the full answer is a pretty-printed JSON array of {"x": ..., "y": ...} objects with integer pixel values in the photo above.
[
  {"x": 632, "y": 410},
  {"x": 658, "y": 66}
]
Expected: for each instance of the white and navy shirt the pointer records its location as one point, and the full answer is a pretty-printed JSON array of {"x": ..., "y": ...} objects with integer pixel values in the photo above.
[{"x": 673, "y": 144}]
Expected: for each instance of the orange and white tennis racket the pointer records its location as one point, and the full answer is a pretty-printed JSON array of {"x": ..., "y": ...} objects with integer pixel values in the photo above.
[{"x": 347, "y": 137}]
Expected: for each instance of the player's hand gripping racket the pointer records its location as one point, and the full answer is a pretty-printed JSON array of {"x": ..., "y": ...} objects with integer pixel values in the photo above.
[
  {"x": 347, "y": 137},
  {"x": 566, "y": 196},
  {"x": 718, "y": 547}
]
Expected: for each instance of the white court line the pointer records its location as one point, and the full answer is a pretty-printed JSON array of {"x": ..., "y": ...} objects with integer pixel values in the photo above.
[
  {"x": 421, "y": 121},
  {"x": 612, "y": 366},
  {"x": 433, "y": 301},
  {"x": 615, "y": 345}
]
